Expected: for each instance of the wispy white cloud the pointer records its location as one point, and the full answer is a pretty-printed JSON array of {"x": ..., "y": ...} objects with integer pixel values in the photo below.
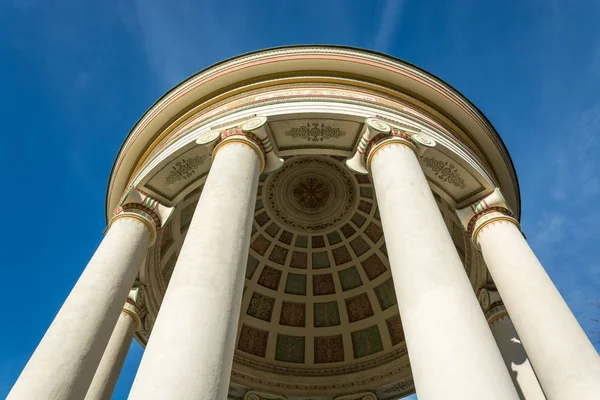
[
  {"x": 179, "y": 40},
  {"x": 390, "y": 21},
  {"x": 549, "y": 232},
  {"x": 566, "y": 221},
  {"x": 576, "y": 158}
]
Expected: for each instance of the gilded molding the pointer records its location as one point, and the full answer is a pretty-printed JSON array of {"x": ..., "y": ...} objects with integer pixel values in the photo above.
[
  {"x": 137, "y": 205},
  {"x": 483, "y": 212},
  {"x": 249, "y": 132},
  {"x": 244, "y": 140},
  {"x": 133, "y": 306},
  {"x": 379, "y": 134},
  {"x": 138, "y": 216},
  {"x": 487, "y": 219},
  {"x": 385, "y": 142}
]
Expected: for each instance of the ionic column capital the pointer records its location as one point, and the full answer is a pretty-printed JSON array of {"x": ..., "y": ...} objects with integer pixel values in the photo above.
[
  {"x": 133, "y": 306},
  {"x": 491, "y": 209},
  {"x": 137, "y": 205},
  {"x": 380, "y": 134},
  {"x": 251, "y": 133},
  {"x": 492, "y": 305}
]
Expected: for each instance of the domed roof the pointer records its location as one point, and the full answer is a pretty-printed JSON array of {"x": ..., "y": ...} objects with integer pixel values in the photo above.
[
  {"x": 388, "y": 73},
  {"x": 319, "y": 311}
]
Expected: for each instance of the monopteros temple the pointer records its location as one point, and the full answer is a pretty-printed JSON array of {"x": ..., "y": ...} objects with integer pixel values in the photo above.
[{"x": 314, "y": 223}]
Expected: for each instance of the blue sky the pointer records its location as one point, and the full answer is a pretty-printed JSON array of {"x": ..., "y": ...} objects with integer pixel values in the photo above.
[{"x": 75, "y": 76}]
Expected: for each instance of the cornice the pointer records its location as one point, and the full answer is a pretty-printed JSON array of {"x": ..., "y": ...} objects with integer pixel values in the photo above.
[{"x": 315, "y": 55}]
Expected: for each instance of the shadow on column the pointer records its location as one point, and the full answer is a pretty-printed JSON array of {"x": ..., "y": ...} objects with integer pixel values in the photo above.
[{"x": 519, "y": 358}]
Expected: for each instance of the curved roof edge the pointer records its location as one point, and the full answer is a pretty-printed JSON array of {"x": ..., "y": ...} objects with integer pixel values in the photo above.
[{"x": 342, "y": 47}]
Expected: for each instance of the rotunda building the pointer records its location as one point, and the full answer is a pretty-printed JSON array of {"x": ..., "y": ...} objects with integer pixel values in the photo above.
[{"x": 314, "y": 222}]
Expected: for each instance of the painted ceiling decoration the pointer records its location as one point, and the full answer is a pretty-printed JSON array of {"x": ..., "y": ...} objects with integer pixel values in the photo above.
[
  {"x": 457, "y": 181},
  {"x": 319, "y": 311},
  {"x": 319, "y": 301}
]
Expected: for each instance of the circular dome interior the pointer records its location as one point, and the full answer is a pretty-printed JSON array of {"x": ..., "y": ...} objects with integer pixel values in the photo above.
[{"x": 319, "y": 308}]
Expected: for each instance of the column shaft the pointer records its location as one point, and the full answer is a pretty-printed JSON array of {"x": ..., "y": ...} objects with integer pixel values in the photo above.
[
  {"x": 565, "y": 361},
  {"x": 108, "y": 371},
  {"x": 452, "y": 351},
  {"x": 190, "y": 351},
  {"x": 513, "y": 353},
  {"x": 516, "y": 359},
  {"x": 64, "y": 362}
]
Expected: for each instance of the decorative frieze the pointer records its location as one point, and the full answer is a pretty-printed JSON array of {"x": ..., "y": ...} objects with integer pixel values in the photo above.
[
  {"x": 184, "y": 169},
  {"x": 445, "y": 171},
  {"x": 315, "y": 132}
]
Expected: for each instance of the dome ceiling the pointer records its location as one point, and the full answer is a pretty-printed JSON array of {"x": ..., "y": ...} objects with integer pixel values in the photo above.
[
  {"x": 318, "y": 301},
  {"x": 318, "y": 312}
]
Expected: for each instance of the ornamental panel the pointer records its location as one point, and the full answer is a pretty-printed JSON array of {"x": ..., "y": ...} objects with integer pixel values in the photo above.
[
  {"x": 181, "y": 172},
  {"x": 315, "y": 133},
  {"x": 450, "y": 177}
]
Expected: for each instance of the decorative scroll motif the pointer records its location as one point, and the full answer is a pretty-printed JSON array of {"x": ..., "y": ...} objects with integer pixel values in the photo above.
[
  {"x": 261, "y": 307},
  {"x": 253, "y": 341},
  {"x": 359, "y": 307},
  {"x": 484, "y": 299},
  {"x": 311, "y": 193},
  {"x": 315, "y": 132},
  {"x": 293, "y": 314},
  {"x": 148, "y": 323},
  {"x": 184, "y": 169},
  {"x": 319, "y": 208},
  {"x": 329, "y": 349},
  {"x": 445, "y": 171}
]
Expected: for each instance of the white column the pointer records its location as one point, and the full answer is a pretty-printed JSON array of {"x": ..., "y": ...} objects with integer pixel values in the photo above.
[
  {"x": 510, "y": 346},
  {"x": 190, "y": 350},
  {"x": 566, "y": 363},
  {"x": 452, "y": 352},
  {"x": 64, "y": 362},
  {"x": 108, "y": 371}
]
